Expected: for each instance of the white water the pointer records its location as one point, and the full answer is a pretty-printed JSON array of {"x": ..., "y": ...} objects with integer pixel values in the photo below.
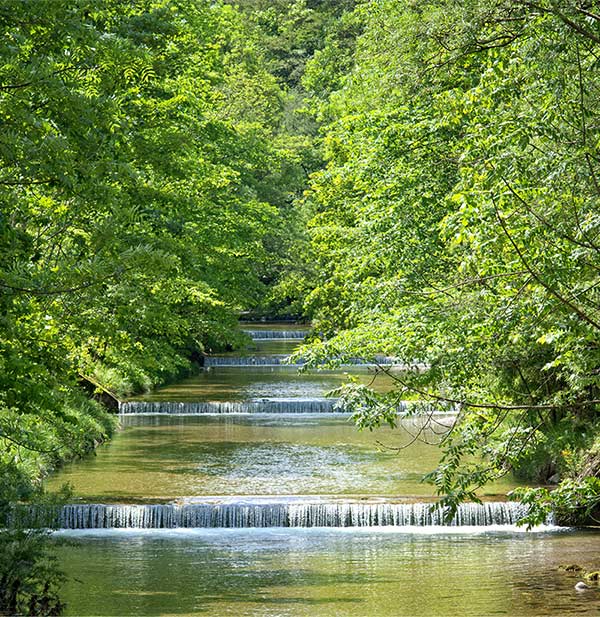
[
  {"x": 332, "y": 555},
  {"x": 283, "y": 360},
  {"x": 219, "y": 534},
  {"x": 270, "y": 513},
  {"x": 267, "y": 335},
  {"x": 271, "y": 406}
]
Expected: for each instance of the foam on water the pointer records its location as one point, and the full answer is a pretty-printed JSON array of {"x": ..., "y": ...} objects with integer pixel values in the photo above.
[
  {"x": 283, "y": 360},
  {"x": 218, "y": 534},
  {"x": 268, "y": 335},
  {"x": 268, "y": 406}
]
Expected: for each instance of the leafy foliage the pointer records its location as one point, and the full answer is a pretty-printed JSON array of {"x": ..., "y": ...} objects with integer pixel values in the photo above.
[
  {"x": 151, "y": 157},
  {"x": 143, "y": 189},
  {"x": 29, "y": 578},
  {"x": 456, "y": 224}
]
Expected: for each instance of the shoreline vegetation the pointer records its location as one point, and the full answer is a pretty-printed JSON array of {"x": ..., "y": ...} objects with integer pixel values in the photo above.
[{"x": 416, "y": 180}]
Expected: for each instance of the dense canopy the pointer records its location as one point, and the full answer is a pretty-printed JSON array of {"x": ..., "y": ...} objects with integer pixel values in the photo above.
[
  {"x": 147, "y": 199},
  {"x": 418, "y": 179},
  {"x": 456, "y": 223}
]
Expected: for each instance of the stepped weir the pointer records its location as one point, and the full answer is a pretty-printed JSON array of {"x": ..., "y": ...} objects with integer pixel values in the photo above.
[
  {"x": 269, "y": 406},
  {"x": 267, "y": 513},
  {"x": 272, "y": 406},
  {"x": 270, "y": 360},
  {"x": 283, "y": 360},
  {"x": 280, "y": 455},
  {"x": 268, "y": 335}
]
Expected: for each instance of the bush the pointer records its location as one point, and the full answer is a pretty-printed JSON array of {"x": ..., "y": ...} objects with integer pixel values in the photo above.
[{"x": 29, "y": 576}]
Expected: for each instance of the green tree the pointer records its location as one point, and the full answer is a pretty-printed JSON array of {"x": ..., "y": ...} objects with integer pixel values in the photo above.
[
  {"x": 146, "y": 194},
  {"x": 456, "y": 225}
]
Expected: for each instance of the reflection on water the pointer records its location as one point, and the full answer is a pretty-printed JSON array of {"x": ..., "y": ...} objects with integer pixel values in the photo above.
[
  {"x": 255, "y": 382},
  {"x": 281, "y": 572},
  {"x": 328, "y": 573},
  {"x": 247, "y": 383},
  {"x": 166, "y": 457}
]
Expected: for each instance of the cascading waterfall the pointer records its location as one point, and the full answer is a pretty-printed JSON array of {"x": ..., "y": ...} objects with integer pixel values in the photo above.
[
  {"x": 267, "y": 335},
  {"x": 263, "y": 512},
  {"x": 283, "y": 360},
  {"x": 270, "y": 406},
  {"x": 267, "y": 360},
  {"x": 246, "y": 514}
]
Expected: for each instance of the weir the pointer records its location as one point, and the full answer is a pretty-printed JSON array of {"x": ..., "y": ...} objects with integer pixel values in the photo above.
[
  {"x": 267, "y": 513},
  {"x": 278, "y": 463},
  {"x": 283, "y": 360},
  {"x": 270, "y": 360},
  {"x": 269, "y": 406},
  {"x": 267, "y": 335},
  {"x": 263, "y": 406}
]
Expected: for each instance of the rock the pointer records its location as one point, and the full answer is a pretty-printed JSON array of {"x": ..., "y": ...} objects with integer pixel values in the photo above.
[
  {"x": 580, "y": 586},
  {"x": 593, "y": 576},
  {"x": 571, "y": 567}
]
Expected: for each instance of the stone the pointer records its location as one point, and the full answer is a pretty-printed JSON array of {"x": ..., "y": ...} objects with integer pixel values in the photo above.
[{"x": 570, "y": 567}]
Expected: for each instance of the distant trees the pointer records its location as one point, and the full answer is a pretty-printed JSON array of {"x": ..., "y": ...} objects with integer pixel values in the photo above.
[{"x": 457, "y": 223}]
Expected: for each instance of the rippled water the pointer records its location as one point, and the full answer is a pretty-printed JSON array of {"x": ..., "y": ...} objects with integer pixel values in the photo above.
[
  {"x": 247, "y": 383},
  {"x": 328, "y": 573},
  {"x": 166, "y": 457},
  {"x": 280, "y": 572}
]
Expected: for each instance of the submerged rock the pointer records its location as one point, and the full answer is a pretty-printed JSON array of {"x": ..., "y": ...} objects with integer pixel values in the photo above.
[{"x": 571, "y": 567}]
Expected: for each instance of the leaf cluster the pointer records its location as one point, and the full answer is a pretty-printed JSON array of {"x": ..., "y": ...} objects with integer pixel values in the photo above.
[{"x": 456, "y": 223}]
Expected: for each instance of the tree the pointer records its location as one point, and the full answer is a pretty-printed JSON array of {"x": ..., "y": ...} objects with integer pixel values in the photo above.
[{"x": 456, "y": 225}]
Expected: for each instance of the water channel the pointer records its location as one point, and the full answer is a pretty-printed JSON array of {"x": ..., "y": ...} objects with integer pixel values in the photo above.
[{"x": 244, "y": 491}]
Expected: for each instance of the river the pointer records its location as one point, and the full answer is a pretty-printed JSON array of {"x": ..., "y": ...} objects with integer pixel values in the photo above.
[{"x": 244, "y": 491}]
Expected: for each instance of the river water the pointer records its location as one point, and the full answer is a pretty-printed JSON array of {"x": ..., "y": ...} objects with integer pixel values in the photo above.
[
  {"x": 221, "y": 448},
  {"x": 164, "y": 457}
]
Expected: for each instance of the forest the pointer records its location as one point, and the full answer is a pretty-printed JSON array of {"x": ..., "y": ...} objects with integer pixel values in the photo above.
[{"x": 415, "y": 179}]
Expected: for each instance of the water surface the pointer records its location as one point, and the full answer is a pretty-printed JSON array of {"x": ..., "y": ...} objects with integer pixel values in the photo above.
[
  {"x": 329, "y": 573},
  {"x": 251, "y": 383},
  {"x": 158, "y": 458},
  {"x": 281, "y": 572}
]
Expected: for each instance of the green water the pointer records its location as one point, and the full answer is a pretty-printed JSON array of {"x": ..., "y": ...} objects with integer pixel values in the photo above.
[
  {"x": 157, "y": 458},
  {"x": 256, "y": 382},
  {"x": 247, "y": 383},
  {"x": 276, "y": 346},
  {"x": 356, "y": 572},
  {"x": 273, "y": 325},
  {"x": 328, "y": 573}
]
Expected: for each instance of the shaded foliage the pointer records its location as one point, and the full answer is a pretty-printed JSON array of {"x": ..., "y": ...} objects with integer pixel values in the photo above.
[
  {"x": 29, "y": 577},
  {"x": 150, "y": 159}
]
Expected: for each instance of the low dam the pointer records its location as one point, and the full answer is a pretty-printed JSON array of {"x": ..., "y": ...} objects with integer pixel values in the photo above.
[{"x": 273, "y": 513}]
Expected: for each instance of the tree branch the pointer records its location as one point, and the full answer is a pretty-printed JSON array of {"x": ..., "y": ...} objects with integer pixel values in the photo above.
[
  {"x": 465, "y": 403},
  {"x": 583, "y": 316}
]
